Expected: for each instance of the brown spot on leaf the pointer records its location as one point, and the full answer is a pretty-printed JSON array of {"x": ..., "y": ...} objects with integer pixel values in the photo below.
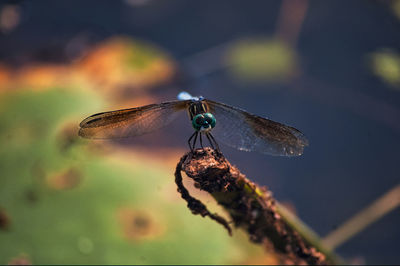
[
  {"x": 4, "y": 220},
  {"x": 140, "y": 224},
  {"x": 66, "y": 179}
]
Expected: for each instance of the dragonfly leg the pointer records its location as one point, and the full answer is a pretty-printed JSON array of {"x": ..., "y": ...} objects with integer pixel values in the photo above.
[
  {"x": 201, "y": 141},
  {"x": 210, "y": 140},
  {"x": 195, "y": 139},
  {"x": 189, "y": 140},
  {"x": 215, "y": 142}
]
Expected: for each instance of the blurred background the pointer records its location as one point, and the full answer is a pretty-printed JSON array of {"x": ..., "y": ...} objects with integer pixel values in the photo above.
[{"x": 329, "y": 68}]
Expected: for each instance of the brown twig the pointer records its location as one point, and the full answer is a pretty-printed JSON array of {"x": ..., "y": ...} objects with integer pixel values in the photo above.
[
  {"x": 249, "y": 206},
  {"x": 196, "y": 206}
]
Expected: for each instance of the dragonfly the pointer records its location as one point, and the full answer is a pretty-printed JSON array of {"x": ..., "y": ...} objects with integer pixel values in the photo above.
[{"x": 231, "y": 125}]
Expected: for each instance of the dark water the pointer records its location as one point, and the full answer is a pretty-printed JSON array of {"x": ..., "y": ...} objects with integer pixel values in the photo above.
[{"x": 349, "y": 115}]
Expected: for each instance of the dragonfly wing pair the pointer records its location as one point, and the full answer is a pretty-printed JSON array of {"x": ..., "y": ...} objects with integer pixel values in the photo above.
[{"x": 234, "y": 127}]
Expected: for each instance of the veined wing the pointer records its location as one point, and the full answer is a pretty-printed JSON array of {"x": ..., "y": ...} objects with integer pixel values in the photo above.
[
  {"x": 130, "y": 122},
  {"x": 244, "y": 131}
]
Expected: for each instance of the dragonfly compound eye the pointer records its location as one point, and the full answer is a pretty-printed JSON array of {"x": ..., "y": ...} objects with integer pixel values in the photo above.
[
  {"x": 210, "y": 119},
  {"x": 198, "y": 121}
]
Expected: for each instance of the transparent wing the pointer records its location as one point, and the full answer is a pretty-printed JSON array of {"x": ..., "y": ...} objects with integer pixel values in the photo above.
[
  {"x": 130, "y": 122},
  {"x": 244, "y": 131}
]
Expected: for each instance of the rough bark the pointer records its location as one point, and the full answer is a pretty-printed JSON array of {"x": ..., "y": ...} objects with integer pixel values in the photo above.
[{"x": 250, "y": 207}]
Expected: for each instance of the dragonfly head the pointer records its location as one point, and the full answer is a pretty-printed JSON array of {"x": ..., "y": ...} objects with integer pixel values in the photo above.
[{"x": 203, "y": 122}]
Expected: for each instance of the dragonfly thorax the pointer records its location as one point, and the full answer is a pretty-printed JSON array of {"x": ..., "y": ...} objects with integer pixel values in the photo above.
[
  {"x": 203, "y": 122},
  {"x": 197, "y": 107}
]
